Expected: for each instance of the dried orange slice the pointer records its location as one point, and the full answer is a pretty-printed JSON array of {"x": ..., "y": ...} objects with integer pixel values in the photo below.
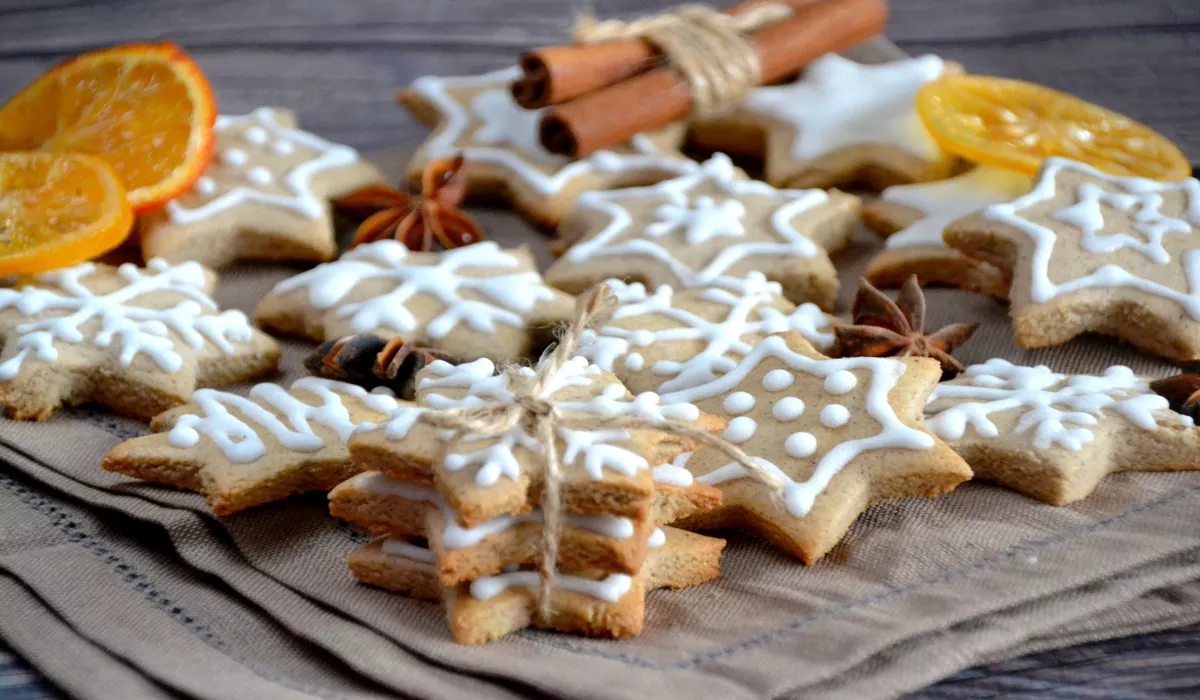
[
  {"x": 57, "y": 209},
  {"x": 1016, "y": 125},
  {"x": 146, "y": 108}
]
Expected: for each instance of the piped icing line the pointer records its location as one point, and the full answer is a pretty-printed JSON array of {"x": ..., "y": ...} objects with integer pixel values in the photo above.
[
  {"x": 1141, "y": 194},
  {"x": 238, "y": 438},
  {"x": 944, "y": 201},
  {"x": 262, "y": 128},
  {"x": 799, "y": 496},
  {"x": 396, "y": 547},
  {"x": 1059, "y": 409},
  {"x": 477, "y": 302},
  {"x": 720, "y": 172},
  {"x": 139, "y": 330},
  {"x": 611, "y": 588},
  {"x": 839, "y": 103},
  {"x": 501, "y": 121}
]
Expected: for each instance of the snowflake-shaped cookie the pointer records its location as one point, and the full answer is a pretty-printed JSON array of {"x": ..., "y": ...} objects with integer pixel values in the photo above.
[
  {"x": 710, "y": 228},
  {"x": 1055, "y": 436},
  {"x": 475, "y": 301}
]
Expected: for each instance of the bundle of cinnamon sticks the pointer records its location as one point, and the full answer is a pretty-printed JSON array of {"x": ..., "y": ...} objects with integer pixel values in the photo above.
[{"x": 600, "y": 95}]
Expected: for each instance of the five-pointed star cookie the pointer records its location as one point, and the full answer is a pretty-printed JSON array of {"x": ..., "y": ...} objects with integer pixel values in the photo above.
[
  {"x": 243, "y": 451},
  {"x": 135, "y": 340},
  {"x": 709, "y": 228},
  {"x": 1053, "y": 436},
  {"x": 841, "y": 433},
  {"x": 264, "y": 196},
  {"x": 470, "y": 302},
  {"x": 477, "y": 117},
  {"x": 841, "y": 123},
  {"x": 1094, "y": 252},
  {"x": 913, "y": 218}
]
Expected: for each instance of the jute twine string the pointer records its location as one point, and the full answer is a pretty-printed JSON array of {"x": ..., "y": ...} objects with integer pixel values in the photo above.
[
  {"x": 707, "y": 46},
  {"x": 540, "y": 417}
]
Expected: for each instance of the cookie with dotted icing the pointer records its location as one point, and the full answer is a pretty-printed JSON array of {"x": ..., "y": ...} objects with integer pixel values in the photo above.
[
  {"x": 842, "y": 123},
  {"x": 1092, "y": 252},
  {"x": 913, "y": 218},
  {"x": 264, "y": 196},
  {"x": 243, "y": 451},
  {"x": 710, "y": 228},
  {"x": 470, "y": 302},
  {"x": 135, "y": 340},
  {"x": 477, "y": 117},
  {"x": 593, "y": 604},
  {"x": 1054, "y": 436},
  {"x": 841, "y": 433}
]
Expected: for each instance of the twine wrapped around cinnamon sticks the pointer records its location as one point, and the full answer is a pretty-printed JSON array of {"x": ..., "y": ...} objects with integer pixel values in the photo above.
[{"x": 540, "y": 417}]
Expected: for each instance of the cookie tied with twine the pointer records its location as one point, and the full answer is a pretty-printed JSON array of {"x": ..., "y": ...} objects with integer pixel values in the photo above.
[{"x": 540, "y": 417}]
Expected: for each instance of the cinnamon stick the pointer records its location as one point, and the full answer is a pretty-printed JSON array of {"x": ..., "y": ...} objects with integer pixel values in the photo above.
[
  {"x": 612, "y": 114},
  {"x": 555, "y": 74}
]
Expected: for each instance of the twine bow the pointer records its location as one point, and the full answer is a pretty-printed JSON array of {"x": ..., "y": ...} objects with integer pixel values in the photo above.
[{"x": 539, "y": 416}]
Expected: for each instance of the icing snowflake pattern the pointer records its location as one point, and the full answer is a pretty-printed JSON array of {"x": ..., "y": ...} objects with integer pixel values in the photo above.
[
  {"x": 702, "y": 221},
  {"x": 138, "y": 329}
]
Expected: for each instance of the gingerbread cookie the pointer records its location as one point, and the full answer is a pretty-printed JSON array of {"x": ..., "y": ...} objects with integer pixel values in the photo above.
[
  {"x": 135, "y": 340},
  {"x": 710, "y": 228},
  {"x": 264, "y": 196},
  {"x": 1091, "y": 252},
  {"x": 241, "y": 452},
  {"x": 477, "y": 117},
  {"x": 471, "y": 302},
  {"x": 913, "y": 218},
  {"x": 1054, "y": 436}
]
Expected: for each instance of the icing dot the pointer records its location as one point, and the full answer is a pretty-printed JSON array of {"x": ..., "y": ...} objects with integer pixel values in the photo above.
[
  {"x": 259, "y": 175},
  {"x": 635, "y": 361},
  {"x": 283, "y": 147},
  {"x": 205, "y": 185},
  {"x": 740, "y": 430},
  {"x": 641, "y": 337},
  {"x": 234, "y": 157},
  {"x": 256, "y": 135},
  {"x": 840, "y": 382},
  {"x": 835, "y": 415},
  {"x": 739, "y": 402},
  {"x": 800, "y": 444},
  {"x": 778, "y": 380},
  {"x": 788, "y": 408}
]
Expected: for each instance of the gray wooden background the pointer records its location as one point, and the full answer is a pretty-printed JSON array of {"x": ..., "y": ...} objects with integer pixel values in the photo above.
[{"x": 337, "y": 63}]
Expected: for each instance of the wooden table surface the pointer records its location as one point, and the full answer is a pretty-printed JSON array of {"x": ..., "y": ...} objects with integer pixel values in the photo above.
[{"x": 337, "y": 63}]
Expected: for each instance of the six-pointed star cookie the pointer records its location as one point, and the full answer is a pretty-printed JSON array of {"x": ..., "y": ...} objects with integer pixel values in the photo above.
[
  {"x": 471, "y": 302},
  {"x": 263, "y": 197},
  {"x": 1094, "y": 252},
  {"x": 477, "y": 117},
  {"x": 243, "y": 451},
  {"x": 135, "y": 340},
  {"x": 1054, "y": 436},
  {"x": 840, "y": 123},
  {"x": 841, "y": 433},
  {"x": 710, "y": 228},
  {"x": 913, "y": 218}
]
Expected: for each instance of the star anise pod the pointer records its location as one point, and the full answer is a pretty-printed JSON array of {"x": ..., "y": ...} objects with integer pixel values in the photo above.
[
  {"x": 371, "y": 361},
  {"x": 886, "y": 328},
  {"x": 1182, "y": 392},
  {"x": 416, "y": 221}
]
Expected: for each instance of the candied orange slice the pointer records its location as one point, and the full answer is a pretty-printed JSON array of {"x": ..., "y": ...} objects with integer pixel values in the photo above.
[
  {"x": 57, "y": 209},
  {"x": 1017, "y": 125},
  {"x": 146, "y": 108}
]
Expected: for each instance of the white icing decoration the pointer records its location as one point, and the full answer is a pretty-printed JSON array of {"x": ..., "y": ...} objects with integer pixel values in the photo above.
[
  {"x": 256, "y": 135},
  {"x": 205, "y": 185},
  {"x": 234, "y": 157},
  {"x": 839, "y": 103},
  {"x": 477, "y": 302},
  {"x": 1150, "y": 224},
  {"x": 842, "y": 382},
  {"x": 1059, "y": 409},
  {"x": 658, "y": 539},
  {"x": 283, "y": 147},
  {"x": 396, "y": 547},
  {"x": 702, "y": 220},
  {"x": 635, "y": 362},
  {"x": 788, "y": 408},
  {"x": 778, "y": 380},
  {"x": 739, "y": 402},
  {"x": 740, "y": 430},
  {"x": 194, "y": 320},
  {"x": 259, "y": 175},
  {"x": 944, "y": 201},
  {"x": 835, "y": 415},
  {"x": 611, "y": 588},
  {"x": 675, "y": 473},
  {"x": 800, "y": 445},
  {"x": 1087, "y": 216}
]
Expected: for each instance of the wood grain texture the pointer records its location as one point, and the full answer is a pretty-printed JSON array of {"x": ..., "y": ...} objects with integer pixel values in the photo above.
[{"x": 338, "y": 63}]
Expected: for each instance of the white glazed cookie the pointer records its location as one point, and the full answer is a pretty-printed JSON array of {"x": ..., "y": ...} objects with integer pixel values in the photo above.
[
  {"x": 135, "y": 340},
  {"x": 264, "y": 196}
]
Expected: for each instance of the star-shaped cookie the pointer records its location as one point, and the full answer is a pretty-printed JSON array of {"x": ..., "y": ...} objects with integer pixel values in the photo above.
[
  {"x": 1091, "y": 252},
  {"x": 135, "y": 340},
  {"x": 264, "y": 196},
  {"x": 477, "y": 117},
  {"x": 243, "y": 451},
  {"x": 1054, "y": 436},
  {"x": 841, "y": 123},
  {"x": 709, "y": 228},
  {"x": 913, "y": 218},
  {"x": 470, "y": 302}
]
